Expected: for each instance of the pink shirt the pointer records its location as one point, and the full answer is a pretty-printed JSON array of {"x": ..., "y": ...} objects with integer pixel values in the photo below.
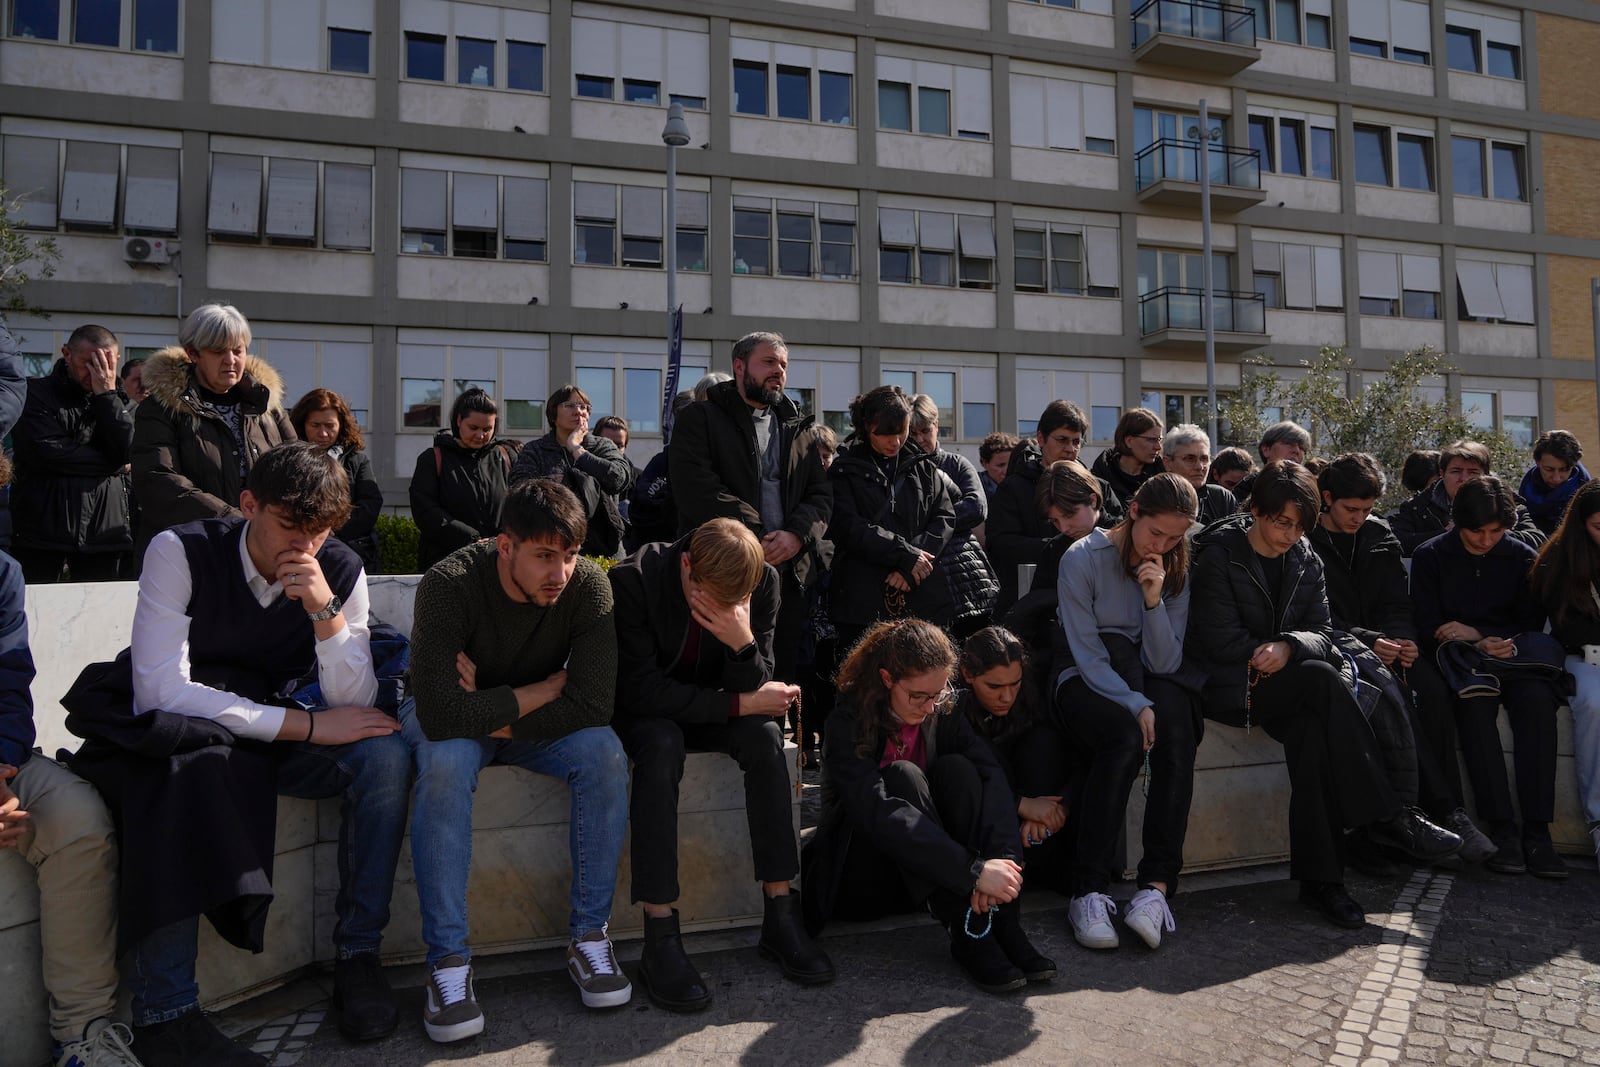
[{"x": 906, "y": 744}]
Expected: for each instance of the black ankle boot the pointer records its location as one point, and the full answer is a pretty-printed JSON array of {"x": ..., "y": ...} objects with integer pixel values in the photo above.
[
  {"x": 784, "y": 939},
  {"x": 982, "y": 957},
  {"x": 1013, "y": 941},
  {"x": 669, "y": 979}
]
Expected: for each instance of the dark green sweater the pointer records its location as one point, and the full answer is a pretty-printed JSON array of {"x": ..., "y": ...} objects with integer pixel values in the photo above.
[{"x": 461, "y": 606}]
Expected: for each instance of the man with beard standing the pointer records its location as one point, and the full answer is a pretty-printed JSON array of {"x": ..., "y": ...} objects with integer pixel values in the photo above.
[{"x": 735, "y": 455}]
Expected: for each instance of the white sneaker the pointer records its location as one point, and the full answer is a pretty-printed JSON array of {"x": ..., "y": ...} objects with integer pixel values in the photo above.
[
  {"x": 104, "y": 1044},
  {"x": 451, "y": 1012},
  {"x": 592, "y": 963},
  {"x": 1149, "y": 914},
  {"x": 1090, "y": 916}
]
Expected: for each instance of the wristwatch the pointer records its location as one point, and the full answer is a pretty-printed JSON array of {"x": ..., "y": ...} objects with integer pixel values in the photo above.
[{"x": 334, "y": 607}]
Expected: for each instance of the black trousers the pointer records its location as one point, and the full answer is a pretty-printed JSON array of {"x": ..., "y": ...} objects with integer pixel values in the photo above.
[
  {"x": 1044, "y": 763},
  {"x": 950, "y": 792},
  {"x": 1531, "y": 708},
  {"x": 1336, "y": 777},
  {"x": 1114, "y": 750},
  {"x": 793, "y": 614},
  {"x": 41, "y": 566},
  {"x": 1433, "y": 725},
  {"x": 657, "y": 748}
]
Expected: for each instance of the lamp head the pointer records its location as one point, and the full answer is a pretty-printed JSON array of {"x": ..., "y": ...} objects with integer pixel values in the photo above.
[{"x": 676, "y": 132}]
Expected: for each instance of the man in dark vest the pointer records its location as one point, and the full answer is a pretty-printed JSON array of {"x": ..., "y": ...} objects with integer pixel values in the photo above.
[
  {"x": 740, "y": 454},
  {"x": 233, "y": 612},
  {"x": 695, "y": 622}
]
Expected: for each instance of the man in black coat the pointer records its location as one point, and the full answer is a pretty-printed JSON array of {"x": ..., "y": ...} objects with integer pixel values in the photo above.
[
  {"x": 695, "y": 625},
  {"x": 1427, "y": 514},
  {"x": 71, "y": 505},
  {"x": 739, "y": 454}
]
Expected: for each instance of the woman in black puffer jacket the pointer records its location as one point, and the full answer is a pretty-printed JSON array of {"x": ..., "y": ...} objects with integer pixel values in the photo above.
[
  {"x": 1260, "y": 631},
  {"x": 892, "y": 516},
  {"x": 962, "y": 566}
]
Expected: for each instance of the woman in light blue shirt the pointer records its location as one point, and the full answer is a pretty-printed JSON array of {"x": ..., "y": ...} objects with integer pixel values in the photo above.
[{"x": 1124, "y": 603}]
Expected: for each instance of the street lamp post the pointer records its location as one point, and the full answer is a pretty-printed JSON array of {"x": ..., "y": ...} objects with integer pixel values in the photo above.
[
  {"x": 675, "y": 134},
  {"x": 1204, "y": 134}
]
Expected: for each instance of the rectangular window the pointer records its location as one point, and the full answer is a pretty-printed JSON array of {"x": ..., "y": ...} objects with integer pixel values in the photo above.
[
  {"x": 97, "y": 22},
  {"x": 475, "y": 216},
  {"x": 838, "y": 246},
  {"x": 89, "y": 188},
  {"x": 349, "y": 51},
  {"x": 150, "y": 199},
  {"x": 641, "y": 92},
  {"x": 1286, "y": 22},
  {"x": 292, "y": 201},
  {"x": 526, "y": 218},
  {"x": 1268, "y": 287},
  {"x": 1505, "y": 60},
  {"x": 752, "y": 241},
  {"x": 794, "y": 244},
  {"x": 833, "y": 93},
  {"x": 36, "y": 19},
  {"x": 423, "y": 211},
  {"x": 347, "y": 206},
  {"x": 1410, "y": 55},
  {"x": 474, "y": 62},
  {"x": 1508, "y": 171},
  {"x": 1319, "y": 31},
  {"x": 155, "y": 25},
  {"x": 598, "y": 384},
  {"x": 595, "y": 214},
  {"x": 1028, "y": 262},
  {"x": 933, "y": 111},
  {"x": 975, "y": 235},
  {"x": 794, "y": 93},
  {"x": 1291, "y": 151},
  {"x": 1261, "y": 140},
  {"x": 1419, "y": 304},
  {"x": 1466, "y": 158},
  {"x": 894, "y": 106},
  {"x": 1461, "y": 49},
  {"x": 1066, "y": 264},
  {"x": 749, "y": 87},
  {"x": 641, "y": 226},
  {"x": 235, "y": 204},
  {"x": 692, "y": 103},
  {"x": 1414, "y": 159},
  {"x": 1322, "y": 152},
  {"x": 422, "y": 402},
  {"x": 692, "y": 219},
  {"x": 595, "y": 88},
  {"x": 1372, "y": 155},
  {"x": 425, "y": 56},
  {"x": 1360, "y": 46},
  {"x": 525, "y": 66}
]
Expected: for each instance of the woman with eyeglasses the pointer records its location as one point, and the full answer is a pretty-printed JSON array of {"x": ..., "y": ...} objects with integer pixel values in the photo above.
[
  {"x": 1260, "y": 630},
  {"x": 916, "y": 810},
  {"x": 1135, "y": 453},
  {"x": 1124, "y": 605},
  {"x": 892, "y": 516},
  {"x": 588, "y": 464}
]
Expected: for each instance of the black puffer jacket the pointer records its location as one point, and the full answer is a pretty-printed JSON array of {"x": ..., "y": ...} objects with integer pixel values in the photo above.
[
  {"x": 1231, "y": 613},
  {"x": 886, "y": 512},
  {"x": 1367, "y": 591},
  {"x": 599, "y": 477},
  {"x": 1427, "y": 514},
  {"x": 72, "y": 493},
  {"x": 359, "y": 533},
  {"x": 456, "y": 493},
  {"x": 1216, "y": 503},
  {"x": 962, "y": 566},
  {"x": 1016, "y": 533}
]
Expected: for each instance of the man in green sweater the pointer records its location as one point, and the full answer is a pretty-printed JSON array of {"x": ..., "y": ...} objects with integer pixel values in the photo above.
[{"x": 514, "y": 660}]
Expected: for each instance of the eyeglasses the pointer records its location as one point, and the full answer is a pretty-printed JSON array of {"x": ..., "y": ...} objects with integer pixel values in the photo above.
[
  {"x": 1286, "y": 525},
  {"x": 1149, "y": 440},
  {"x": 941, "y": 699}
]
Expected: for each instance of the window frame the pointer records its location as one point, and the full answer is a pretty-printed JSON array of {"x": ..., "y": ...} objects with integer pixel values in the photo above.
[
  {"x": 65, "y": 31},
  {"x": 772, "y": 240},
  {"x": 924, "y": 260},
  {"x": 454, "y": 233}
]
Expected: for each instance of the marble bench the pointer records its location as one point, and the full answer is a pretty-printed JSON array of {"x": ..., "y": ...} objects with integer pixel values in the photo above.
[{"x": 520, "y": 868}]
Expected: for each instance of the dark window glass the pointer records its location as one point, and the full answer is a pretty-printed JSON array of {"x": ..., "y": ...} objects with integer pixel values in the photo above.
[
  {"x": 691, "y": 250},
  {"x": 694, "y": 103},
  {"x": 97, "y": 22},
  {"x": 1372, "y": 155},
  {"x": 794, "y": 93},
  {"x": 641, "y": 92},
  {"x": 1101, "y": 145},
  {"x": 349, "y": 51},
  {"x": 933, "y": 111},
  {"x": 1373, "y": 305},
  {"x": 425, "y": 57},
  {"x": 475, "y": 244},
  {"x": 1261, "y": 140},
  {"x": 1267, "y": 288},
  {"x": 1319, "y": 31},
  {"x": 752, "y": 246},
  {"x": 938, "y": 268},
  {"x": 1321, "y": 152},
  {"x": 641, "y": 252},
  {"x": 1263, "y": 18},
  {"x": 1416, "y": 304},
  {"x": 1028, "y": 248},
  {"x": 838, "y": 251},
  {"x": 1461, "y": 49},
  {"x": 1286, "y": 26},
  {"x": 474, "y": 62},
  {"x": 155, "y": 25},
  {"x": 833, "y": 90},
  {"x": 1505, "y": 60},
  {"x": 1466, "y": 159},
  {"x": 595, "y": 88},
  {"x": 1508, "y": 172},
  {"x": 794, "y": 245},
  {"x": 39, "y": 19},
  {"x": 894, "y": 264},
  {"x": 1360, "y": 46},
  {"x": 1414, "y": 156},
  {"x": 976, "y": 274},
  {"x": 1291, "y": 147},
  {"x": 749, "y": 87},
  {"x": 594, "y": 244},
  {"x": 1411, "y": 55},
  {"x": 533, "y": 251},
  {"x": 894, "y": 106},
  {"x": 525, "y": 66}
]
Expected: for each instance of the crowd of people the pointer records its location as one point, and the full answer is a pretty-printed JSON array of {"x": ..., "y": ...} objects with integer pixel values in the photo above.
[{"x": 983, "y": 660}]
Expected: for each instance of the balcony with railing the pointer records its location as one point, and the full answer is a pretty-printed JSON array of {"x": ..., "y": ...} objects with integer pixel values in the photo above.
[
  {"x": 1220, "y": 38},
  {"x": 1173, "y": 318},
  {"x": 1167, "y": 171}
]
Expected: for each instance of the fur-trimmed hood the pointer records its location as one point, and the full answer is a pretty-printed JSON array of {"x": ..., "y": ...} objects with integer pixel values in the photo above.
[{"x": 169, "y": 377}]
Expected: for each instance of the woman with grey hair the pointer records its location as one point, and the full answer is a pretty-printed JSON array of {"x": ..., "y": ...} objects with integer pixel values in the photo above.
[
  {"x": 212, "y": 411},
  {"x": 961, "y": 565},
  {"x": 1186, "y": 451}
]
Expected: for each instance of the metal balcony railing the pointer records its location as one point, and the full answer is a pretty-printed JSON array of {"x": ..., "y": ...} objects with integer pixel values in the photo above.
[
  {"x": 1194, "y": 18},
  {"x": 1179, "y": 160},
  {"x": 1175, "y": 308}
]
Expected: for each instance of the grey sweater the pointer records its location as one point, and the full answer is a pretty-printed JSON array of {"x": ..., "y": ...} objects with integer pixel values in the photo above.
[{"x": 1095, "y": 595}]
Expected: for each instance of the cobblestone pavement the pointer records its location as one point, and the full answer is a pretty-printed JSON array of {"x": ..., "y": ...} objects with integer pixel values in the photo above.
[{"x": 1453, "y": 968}]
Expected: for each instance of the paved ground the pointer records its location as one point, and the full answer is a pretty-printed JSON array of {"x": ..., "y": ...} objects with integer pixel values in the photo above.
[{"x": 1453, "y": 968}]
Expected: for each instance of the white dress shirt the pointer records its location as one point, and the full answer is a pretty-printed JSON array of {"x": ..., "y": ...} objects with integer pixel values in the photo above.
[{"x": 161, "y": 647}]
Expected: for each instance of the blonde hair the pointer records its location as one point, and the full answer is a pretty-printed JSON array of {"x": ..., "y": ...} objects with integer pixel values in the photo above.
[{"x": 726, "y": 559}]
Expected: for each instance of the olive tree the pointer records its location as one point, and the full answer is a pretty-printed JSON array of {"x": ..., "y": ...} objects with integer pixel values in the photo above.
[{"x": 24, "y": 257}]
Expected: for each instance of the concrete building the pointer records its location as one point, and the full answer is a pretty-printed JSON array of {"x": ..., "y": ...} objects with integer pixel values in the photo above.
[{"x": 992, "y": 201}]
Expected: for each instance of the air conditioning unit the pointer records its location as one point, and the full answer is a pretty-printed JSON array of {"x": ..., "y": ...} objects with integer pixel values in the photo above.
[{"x": 149, "y": 251}]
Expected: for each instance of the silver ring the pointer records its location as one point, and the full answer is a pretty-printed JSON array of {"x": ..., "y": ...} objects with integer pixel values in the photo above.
[{"x": 294, "y": 579}]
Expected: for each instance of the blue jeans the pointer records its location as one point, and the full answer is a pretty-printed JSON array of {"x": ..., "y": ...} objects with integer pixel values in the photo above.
[
  {"x": 590, "y": 761},
  {"x": 1586, "y": 734},
  {"x": 373, "y": 779}
]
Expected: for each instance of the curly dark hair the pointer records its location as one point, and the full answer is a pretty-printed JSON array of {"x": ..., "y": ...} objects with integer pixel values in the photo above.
[
  {"x": 328, "y": 400},
  {"x": 901, "y": 647}
]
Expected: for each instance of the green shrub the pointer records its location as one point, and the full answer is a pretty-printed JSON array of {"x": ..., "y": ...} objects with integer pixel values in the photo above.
[{"x": 397, "y": 536}]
